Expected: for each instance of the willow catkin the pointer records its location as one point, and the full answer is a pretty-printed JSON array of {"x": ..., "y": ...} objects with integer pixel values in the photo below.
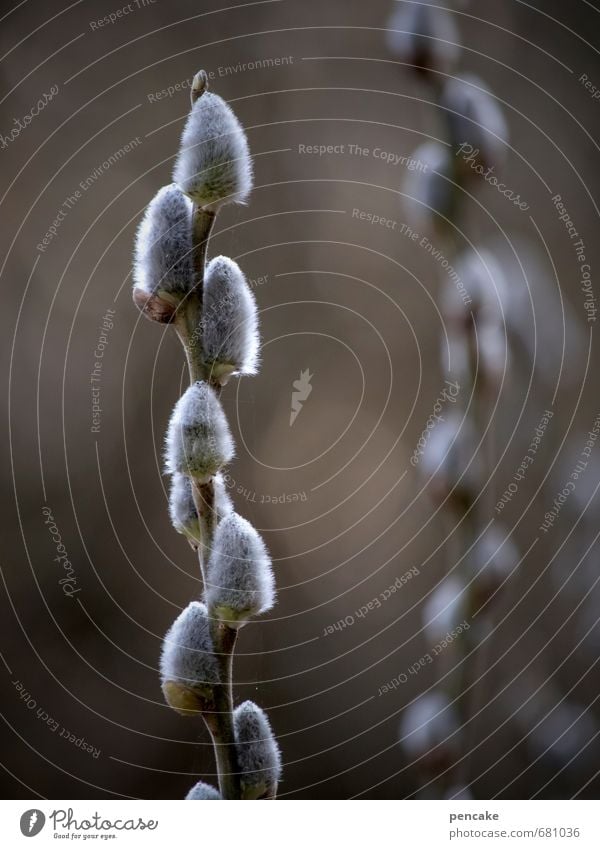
[
  {"x": 188, "y": 666},
  {"x": 258, "y": 753},
  {"x": 229, "y": 322},
  {"x": 213, "y": 166},
  {"x": 240, "y": 581},
  {"x": 199, "y": 441}
]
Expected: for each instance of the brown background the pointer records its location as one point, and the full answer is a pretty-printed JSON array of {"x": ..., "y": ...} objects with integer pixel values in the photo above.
[{"x": 351, "y": 302}]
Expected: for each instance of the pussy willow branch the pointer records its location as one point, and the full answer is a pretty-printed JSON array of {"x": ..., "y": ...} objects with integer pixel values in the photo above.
[
  {"x": 219, "y": 723},
  {"x": 188, "y": 324},
  {"x": 467, "y": 517}
]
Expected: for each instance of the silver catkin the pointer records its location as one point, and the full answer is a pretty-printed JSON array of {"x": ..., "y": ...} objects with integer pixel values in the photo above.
[
  {"x": 163, "y": 246},
  {"x": 229, "y": 321},
  {"x": 199, "y": 441},
  {"x": 182, "y": 508},
  {"x": 475, "y": 118},
  {"x": 240, "y": 580},
  {"x": 428, "y": 723},
  {"x": 203, "y": 791},
  {"x": 423, "y": 36},
  {"x": 188, "y": 667},
  {"x": 258, "y": 754},
  {"x": 214, "y": 165}
]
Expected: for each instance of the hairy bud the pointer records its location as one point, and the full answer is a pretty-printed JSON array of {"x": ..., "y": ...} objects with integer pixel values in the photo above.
[
  {"x": 239, "y": 579},
  {"x": 163, "y": 271},
  {"x": 452, "y": 462},
  {"x": 492, "y": 560},
  {"x": 480, "y": 319},
  {"x": 199, "y": 442},
  {"x": 182, "y": 508},
  {"x": 188, "y": 667},
  {"x": 430, "y": 187},
  {"x": 203, "y": 791},
  {"x": 214, "y": 165},
  {"x": 485, "y": 283},
  {"x": 258, "y": 753},
  {"x": 223, "y": 504},
  {"x": 443, "y": 609},
  {"x": 476, "y": 123},
  {"x": 423, "y": 36},
  {"x": 229, "y": 321},
  {"x": 428, "y": 730}
]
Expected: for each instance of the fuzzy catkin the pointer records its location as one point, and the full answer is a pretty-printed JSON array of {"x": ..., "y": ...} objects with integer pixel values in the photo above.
[
  {"x": 429, "y": 722},
  {"x": 485, "y": 283},
  {"x": 214, "y": 165},
  {"x": 492, "y": 560},
  {"x": 229, "y": 320},
  {"x": 430, "y": 187},
  {"x": 182, "y": 508},
  {"x": 223, "y": 504},
  {"x": 452, "y": 462},
  {"x": 199, "y": 441},
  {"x": 188, "y": 666},
  {"x": 483, "y": 316},
  {"x": 163, "y": 246},
  {"x": 258, "y": 754},
  {"x": 203, "y": 791},
  {"x": 474, "y": 118},
  {"x": 240, "y": 580},
  {"x": 443, "y": 609},
  {"x": 423, "y": 36}
]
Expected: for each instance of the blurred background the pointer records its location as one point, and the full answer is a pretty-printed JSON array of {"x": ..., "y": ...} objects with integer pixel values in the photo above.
[{"x": 92, "y": 572}]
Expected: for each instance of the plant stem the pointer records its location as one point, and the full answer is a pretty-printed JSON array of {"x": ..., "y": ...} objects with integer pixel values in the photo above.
[
  {"x": 202, "y": 224},
  {"x": 188, "y": 321},
  {"x": 220, "y": 723},
  {"x": 188, "y": 324}
]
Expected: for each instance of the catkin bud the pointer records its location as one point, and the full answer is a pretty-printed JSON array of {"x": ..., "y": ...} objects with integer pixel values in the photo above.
[
  {"x": 240, "y": 580},
  {"x": 476, "y": 124},
  {"x": 229, "y": 321},
  {"x": 452, "y": 462},
  {"x": 485, "y": 290},
  {"x": 214, "y": 165},
  {"x": 430, "y": 188},
  {"x": 478, "y": 318},
  {"x": 492, "y": 560},
  {"x": 163, "y": 271},
  {"x": 188, "y": 667},
  {"x": 199, "y": 441},
  {"x": 428, "y": 730},
  {"x": 492, "y": 352},
  {"x": 423, "y": 36},
  {"x": 203, "y": 791},
  {"x": 443, "y": 609},
  {"x": 223, "y": 504},
  {"x": 182, "y": 507},
  {"x": 258, "y": 754}
]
